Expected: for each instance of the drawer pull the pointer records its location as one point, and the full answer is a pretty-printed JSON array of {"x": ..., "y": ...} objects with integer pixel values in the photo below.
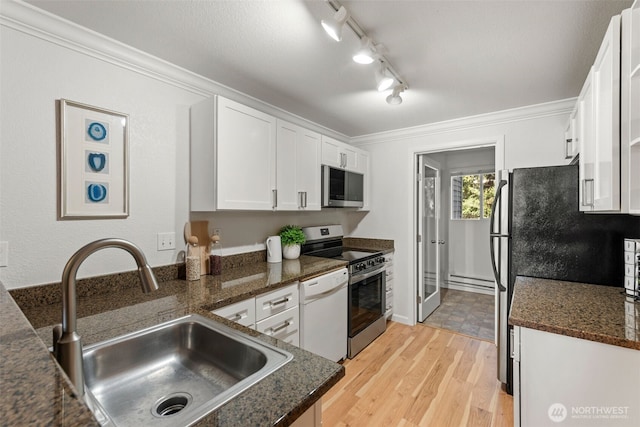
[
  {"x": 281, "y": 327},
  {"x": 279, "y": 302},
  {"x": 237, "y": 317}
]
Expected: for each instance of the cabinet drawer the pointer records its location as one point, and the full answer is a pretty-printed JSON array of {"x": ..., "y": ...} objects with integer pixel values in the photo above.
[
  {"x": 276, "y": 302},
  {"x": 389, "y": 284},
  {"x": 243, "y": 312},
  {"x": 284, "y": 326},
  {"x": 630, "y": 271}
]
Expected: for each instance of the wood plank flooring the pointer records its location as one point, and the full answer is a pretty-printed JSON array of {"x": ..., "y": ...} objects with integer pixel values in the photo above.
[{"x": 420, "y": 376}]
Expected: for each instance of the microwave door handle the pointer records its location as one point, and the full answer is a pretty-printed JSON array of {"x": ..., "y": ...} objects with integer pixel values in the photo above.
[{"x": 497, "y": 235}]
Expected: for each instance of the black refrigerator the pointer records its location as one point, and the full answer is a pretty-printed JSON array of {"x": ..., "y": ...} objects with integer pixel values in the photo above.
[{"x": 537, "y": 230}]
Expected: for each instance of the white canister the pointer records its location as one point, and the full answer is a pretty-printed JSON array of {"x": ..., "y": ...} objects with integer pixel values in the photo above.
[{"x": 274, "y": 249}]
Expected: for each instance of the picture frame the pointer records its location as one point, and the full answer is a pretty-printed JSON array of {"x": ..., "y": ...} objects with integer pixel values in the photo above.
[{"x": 93, "y": 162}]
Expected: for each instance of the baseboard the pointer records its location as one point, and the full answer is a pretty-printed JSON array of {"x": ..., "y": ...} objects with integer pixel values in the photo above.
[{"x": 470, "y": 284}]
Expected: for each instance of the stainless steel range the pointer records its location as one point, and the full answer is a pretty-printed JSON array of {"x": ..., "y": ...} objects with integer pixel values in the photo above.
[{"x": 366, "y": 283}]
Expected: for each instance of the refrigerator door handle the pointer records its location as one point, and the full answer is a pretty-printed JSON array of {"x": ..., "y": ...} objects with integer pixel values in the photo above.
[{"x": 496, "y": 235}]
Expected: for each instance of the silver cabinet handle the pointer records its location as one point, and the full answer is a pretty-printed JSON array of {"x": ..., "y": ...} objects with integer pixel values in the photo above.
[
  {"x": 305, "y": 199},
  {"x": 441, "y": 242},
  {"x": 433, "y": 241},
  {"x": 279, "y": 302},
  {"x": 281, "y": 327},
  {"x": 587, "y": 192},
  {"x": 237, "y": 317},
  {"x": 300, "y": 202},
  {"x": 568, "y": 148},
  {"x": 275, "y": 198}
]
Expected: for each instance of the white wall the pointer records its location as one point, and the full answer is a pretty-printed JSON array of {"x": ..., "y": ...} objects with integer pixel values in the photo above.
[
  {"x": 34, "y": 74},
  {"x": 532, "y": 137}
]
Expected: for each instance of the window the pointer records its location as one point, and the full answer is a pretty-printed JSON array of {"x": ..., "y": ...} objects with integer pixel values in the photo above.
[{"x": 472, "y": 195}]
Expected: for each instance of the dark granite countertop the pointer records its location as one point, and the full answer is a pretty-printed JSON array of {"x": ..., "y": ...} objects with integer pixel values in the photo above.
[
  {"x": 591, "y": 312},
  {"x": 41, "y": 395}
]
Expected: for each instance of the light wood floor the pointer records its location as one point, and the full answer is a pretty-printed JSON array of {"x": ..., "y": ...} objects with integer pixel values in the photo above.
[{"x": 420, "y": 376}]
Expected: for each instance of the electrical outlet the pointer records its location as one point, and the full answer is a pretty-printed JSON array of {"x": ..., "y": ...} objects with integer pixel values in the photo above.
[
  {"x": 4, "y": 254},
  {"x": 166, "y": 241}
]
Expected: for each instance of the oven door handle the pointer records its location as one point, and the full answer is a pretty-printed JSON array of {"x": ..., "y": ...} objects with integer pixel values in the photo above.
[{"x": 359, "y": 278}]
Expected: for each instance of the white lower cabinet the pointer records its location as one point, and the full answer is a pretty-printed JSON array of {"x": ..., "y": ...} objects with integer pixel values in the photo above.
[
  {"x": 274, "y": 313},
  {"x": 389, "y": 285},
  {"x": 560, "y": 380},
  {"x": 285, "y": 326}
]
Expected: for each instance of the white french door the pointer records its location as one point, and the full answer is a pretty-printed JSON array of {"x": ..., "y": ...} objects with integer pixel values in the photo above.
[{"x": 428, "y": 239}]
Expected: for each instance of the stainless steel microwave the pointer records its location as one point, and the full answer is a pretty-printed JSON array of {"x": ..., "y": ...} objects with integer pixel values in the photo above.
[{"x": 341, "y": 188}]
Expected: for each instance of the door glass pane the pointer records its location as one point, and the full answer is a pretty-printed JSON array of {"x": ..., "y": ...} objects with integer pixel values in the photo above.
[
  {"x": 488, "y": 193},
  {"x": 430, "y": 233}
]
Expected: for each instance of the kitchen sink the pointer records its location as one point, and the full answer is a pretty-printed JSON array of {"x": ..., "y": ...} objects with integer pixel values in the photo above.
[{"x": 174, "y": 373}]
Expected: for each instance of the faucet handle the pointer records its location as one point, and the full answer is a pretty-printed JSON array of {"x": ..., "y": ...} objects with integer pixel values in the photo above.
[{"x": 57, "y": 334}]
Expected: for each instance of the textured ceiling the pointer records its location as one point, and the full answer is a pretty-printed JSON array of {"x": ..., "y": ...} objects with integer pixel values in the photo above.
[{"x": 459, "y": 58}]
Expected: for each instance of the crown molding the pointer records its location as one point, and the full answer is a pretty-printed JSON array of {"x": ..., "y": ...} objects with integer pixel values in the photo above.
[
  {"x": 28, "y": 19},
  {"x": 547, "y": 109}
]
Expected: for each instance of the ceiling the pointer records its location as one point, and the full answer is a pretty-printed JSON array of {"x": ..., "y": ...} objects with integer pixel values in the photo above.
[{"x": 459, "y": 58}]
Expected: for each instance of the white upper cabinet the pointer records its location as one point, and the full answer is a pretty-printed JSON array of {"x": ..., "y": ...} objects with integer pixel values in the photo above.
[
  {"x": 600, "y": 152},
  {"x": 233, "y": 157},
  {"x": 630, "y": 102},
  {"x": 298, "y": 168},
  {"x": 571, "y": 143},
  {"x": 339, "y": 154}
]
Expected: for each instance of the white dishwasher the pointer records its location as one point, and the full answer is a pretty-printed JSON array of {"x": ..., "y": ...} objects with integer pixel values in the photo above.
[{"x": 324, "y": 315}]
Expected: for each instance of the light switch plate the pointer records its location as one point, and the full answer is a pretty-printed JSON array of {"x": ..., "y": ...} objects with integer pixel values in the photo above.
[
  {"x": 166, "y": 241},
  {"x": 4, "y": 254}
]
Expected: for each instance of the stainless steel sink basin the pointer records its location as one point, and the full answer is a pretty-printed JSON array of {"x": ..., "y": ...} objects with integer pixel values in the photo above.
[{"x": 174, "y": 373}]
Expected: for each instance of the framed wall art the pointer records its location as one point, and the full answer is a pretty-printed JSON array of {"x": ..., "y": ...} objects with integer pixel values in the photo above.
[{"x": 93, "y": 162}]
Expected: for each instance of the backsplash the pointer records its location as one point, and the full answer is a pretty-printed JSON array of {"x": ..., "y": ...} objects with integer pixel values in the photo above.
[{"x": 51, "y": 293}]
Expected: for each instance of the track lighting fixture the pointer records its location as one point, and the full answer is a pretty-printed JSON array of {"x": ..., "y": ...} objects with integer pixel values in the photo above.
[
  {"x": 386, "y": 76},
  {"x": 383, "y": 79},
  {"x": 334, "y": 26},
  {"x": 395, "y": 98},
  {"x": 367, "y": 52}
]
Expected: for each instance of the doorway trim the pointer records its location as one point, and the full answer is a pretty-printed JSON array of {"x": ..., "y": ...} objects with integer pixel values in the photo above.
[{"x": 491, "y": 141}]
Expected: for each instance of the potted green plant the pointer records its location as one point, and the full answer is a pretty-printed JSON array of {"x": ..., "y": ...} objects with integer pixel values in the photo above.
[{"x": 291, "y": 237}]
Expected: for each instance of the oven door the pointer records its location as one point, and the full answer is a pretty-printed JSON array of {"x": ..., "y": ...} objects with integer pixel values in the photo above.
[{"x": 366, "y": 299}]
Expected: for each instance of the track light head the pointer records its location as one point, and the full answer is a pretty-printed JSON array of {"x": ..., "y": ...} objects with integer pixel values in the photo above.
[
  {"x": 334, "y": 26},
  {"x": 367, "y": 52},
  {"x": 383, "y": 79},
  {"x": 395, "y": 98}
]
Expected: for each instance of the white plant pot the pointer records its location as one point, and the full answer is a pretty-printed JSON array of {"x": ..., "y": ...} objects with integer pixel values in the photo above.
[{"x": 291, "y": 251}]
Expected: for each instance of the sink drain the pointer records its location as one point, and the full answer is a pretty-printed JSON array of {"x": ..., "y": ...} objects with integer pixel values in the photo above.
[{"x": 171, "y": 405}]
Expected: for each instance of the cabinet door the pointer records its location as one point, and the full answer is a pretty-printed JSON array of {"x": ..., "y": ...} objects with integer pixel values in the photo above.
[
  {"x": 308, "y": 170},
  {"x": 350, "y": 156},
  {"x": 630, "y": 111},
  {"x": 573, "y": 376},
  {"x": 286, "y": 165},
  {"x": 585, "y": 137},
  {"x": 331, "y": 152},
  {"x": 246, "y": 157},
  {"x": 606, "y": 101},
  {"x": 363, "y": 168}
]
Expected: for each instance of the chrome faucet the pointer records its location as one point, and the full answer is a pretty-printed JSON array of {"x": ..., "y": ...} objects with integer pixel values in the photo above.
[{"x": 67, "y": 345}]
